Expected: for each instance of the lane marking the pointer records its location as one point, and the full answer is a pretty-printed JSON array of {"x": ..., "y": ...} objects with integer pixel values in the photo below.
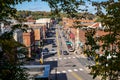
[
  {"x": 76, "y": 76},
  {"x": 64, "y": 58},
  {"x": 55, "y": 59},
  {"x": 73, "y": 57},
  {"x": 58, "y": 72},
  {"x": 51, "y": 59},
  {"x": 64, "y": 71},
  {"x": 69, "y": 57},
  {"x": 60, "y": 58},
  {"x": 80, "y": 69},
  {"x": 69, "y": 70},
  {"x": 58, "y": 44},
  {"x": 75, "y": 70}
]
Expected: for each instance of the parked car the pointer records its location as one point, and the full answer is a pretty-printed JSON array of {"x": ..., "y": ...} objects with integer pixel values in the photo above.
[
  {"x": 65, "y": 53},
  {"x": 46, "y": 49},
  {"x": 20, "y": 56},
  {"x": 44, "y": 52},
  {"x": 52, "y": 51},
  {"x": 69, "y": 46},
  {"x": 54, "y": 45},
  {"x": 71, "y": 49}
]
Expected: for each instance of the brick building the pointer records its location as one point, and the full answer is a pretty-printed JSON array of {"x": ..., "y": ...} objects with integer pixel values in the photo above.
[{"x": 29, "y": 41}]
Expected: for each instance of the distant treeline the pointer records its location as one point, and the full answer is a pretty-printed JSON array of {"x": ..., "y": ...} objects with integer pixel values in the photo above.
[{"x": 44, "y": 14}]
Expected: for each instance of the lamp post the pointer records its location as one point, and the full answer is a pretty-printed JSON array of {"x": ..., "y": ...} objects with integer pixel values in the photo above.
[{"x": 77, "y": 37}]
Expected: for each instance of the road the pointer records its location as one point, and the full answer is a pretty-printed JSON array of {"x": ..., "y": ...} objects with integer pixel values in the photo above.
[{"x": 66, "y": 67}]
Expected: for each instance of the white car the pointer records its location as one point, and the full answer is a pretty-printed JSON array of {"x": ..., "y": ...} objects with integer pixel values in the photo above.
[{"x": 53, "y": 51}]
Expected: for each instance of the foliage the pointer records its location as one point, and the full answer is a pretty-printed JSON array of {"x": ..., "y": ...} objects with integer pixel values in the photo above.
[
  {"x": 9, "y": 63},
  {"x": 107, "y": 64},
  {"x": 66, "y": 6},
  {"x": 7, "y": 8},
  {"x": 34, "y": 14}
]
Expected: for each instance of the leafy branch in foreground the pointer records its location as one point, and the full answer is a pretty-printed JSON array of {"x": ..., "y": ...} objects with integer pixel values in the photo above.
[{"x": 107, "y": 56}]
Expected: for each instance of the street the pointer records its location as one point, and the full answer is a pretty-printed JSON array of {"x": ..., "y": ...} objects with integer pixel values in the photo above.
[{"x": 66, "y": 67}]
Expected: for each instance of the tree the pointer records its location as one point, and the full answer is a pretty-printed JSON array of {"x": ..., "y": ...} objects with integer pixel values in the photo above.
[
  {"x": 9, "y": 64},
  {"x": 107, "y": 65}
]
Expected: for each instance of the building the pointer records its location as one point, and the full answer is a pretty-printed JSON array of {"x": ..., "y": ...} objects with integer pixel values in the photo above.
[
  {"x": 39, "y": 34},
  {"x": 18, "y": 36},
  {"x": 43, "y": 21},
  {"x": 29, "y": 41}
]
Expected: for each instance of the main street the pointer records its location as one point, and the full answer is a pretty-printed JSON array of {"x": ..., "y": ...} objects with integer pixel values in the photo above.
[{"x": 66, "y": 67}]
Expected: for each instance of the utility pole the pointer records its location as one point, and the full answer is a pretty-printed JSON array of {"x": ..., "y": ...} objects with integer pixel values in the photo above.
[{"x": 77, "y": 38}]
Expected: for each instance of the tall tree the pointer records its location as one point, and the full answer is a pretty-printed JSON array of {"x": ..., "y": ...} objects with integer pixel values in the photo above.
[
  {"x": 9, "y": 64},
  {"x": 107, "y": 64}
]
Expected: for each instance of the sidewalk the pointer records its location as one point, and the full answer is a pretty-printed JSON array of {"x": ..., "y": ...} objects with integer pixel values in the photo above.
[{"x": 77, "y": 52}]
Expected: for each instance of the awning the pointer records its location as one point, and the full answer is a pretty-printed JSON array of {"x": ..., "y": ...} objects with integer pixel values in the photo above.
[
  {"x": 68, "y": 42},
  {"x": 72, "y": 36}
]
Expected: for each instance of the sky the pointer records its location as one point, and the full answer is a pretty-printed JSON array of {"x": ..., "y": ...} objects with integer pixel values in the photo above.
[
  {"x": 33, "y": 6},
  {"x": 39, "y": 5}
]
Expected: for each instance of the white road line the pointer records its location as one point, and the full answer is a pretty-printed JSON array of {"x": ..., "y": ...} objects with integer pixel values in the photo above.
[
  {"x": 50, "y": 59},
  {"x": 69, "y": 70},
  {"x": 80, "y": 69},
  {"x": 65, "y": 58},
  {"x": 53, "y": 71},
  {"x": 55, "y": 59},
  {"x": 64, "y": 71},
  {"x": 75, "y": 70},
  {"x": 73, "y": 57},
  {"x": 58, "y": 72},
  {"x": 69, "y": 57},
  {"x": 60, "y": 58},
  {"x": 77, "y": 56}
]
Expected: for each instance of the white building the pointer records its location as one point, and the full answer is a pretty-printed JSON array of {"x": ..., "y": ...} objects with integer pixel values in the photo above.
[
  {"x": 18, "y": 35},
  {"x": 43, "y": 21}
]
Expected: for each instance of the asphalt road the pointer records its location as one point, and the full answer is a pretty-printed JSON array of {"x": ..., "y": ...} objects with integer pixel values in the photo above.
[{"x": 67, "y": 67}]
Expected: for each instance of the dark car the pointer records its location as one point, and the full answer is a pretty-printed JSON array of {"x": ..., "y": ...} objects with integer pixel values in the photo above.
[
  {"x": 54, "y": 45},
  {"x": 65, "y": 53},
  {"x": 46, "y": 49},
  {"x": 69, "y": 46}
]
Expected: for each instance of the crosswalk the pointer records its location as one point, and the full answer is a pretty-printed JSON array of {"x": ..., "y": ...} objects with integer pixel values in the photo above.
[
  {"x": 61, "y": 58},
  {"x": 66, "y": 71}
]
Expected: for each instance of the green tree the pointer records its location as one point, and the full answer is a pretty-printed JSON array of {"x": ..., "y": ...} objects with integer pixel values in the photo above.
[
  {"x": 9, "y": 63},
  {"x": 107, "y": 65}
]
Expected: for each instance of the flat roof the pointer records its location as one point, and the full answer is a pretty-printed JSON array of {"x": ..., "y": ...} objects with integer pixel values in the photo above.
[{"x": 38, "y": 71}]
